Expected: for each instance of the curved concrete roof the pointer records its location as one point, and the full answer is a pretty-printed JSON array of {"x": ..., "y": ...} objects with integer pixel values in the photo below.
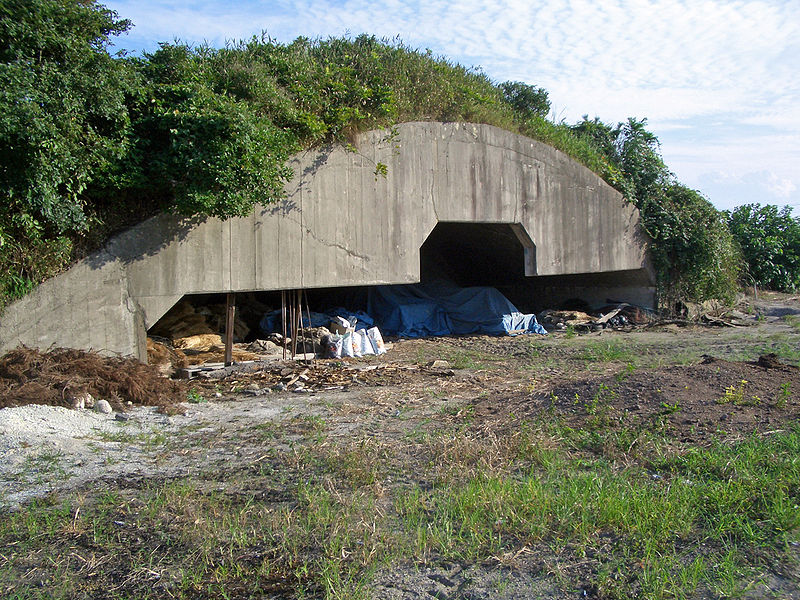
[{"x": 341, "y": 224}]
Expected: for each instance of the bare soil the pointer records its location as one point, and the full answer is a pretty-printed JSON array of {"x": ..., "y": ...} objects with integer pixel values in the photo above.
[{"x": 696, "y": 385}]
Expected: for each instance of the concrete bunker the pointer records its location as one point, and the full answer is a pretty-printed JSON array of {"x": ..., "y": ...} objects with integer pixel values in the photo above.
[
  {"x": 554, "y": 229},
  {"x": 463, "y": 254}
]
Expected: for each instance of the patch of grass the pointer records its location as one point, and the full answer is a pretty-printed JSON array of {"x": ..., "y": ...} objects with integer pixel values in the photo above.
[
  {"x": 43, "y": 467},
  {"x": 150, "y": 439},
  {"x": 460, "y": 358},
  {"x": 266, "y": 431},
  {"x": 793, "y": 321},
  {"x": 195, "y": 397},
  {"x": 708, "y": 499},
  {"x": 785, "y": 345},
  {"x": 646, "y": 517},
  {"x": 458, "y": 410},
  {"x": 784, "y": 395},
  {"x": 614, "y": 350}
]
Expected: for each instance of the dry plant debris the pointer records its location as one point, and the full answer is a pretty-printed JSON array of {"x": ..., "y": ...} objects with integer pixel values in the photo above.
[
  {"x": 317, "y": 377},
  {"x": 28, "y": 376}
]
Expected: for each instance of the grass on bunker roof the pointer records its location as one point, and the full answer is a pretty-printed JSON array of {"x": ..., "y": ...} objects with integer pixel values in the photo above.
[{"x": 532, "y": 456}]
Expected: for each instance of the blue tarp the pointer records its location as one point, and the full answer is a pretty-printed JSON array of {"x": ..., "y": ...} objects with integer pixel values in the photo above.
[
  {"x": 430, "y": 309},
  {"x": 442, "y": 308}
]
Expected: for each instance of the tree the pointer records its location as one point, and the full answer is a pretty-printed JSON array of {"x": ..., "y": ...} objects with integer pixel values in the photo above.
[
  {"x": 62, "y": 120},
  {"x": 770, "y": 242},
  {"x": 62, "y": 107},
  {"x": 528, "y": 101},
  {"x": 693, "y": 251},
  {"x": 195, "y": 146},
  {"x": 602, "y": 135}
]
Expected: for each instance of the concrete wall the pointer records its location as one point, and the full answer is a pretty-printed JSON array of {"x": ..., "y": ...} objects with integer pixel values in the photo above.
[{"x": 341, "y": 224}]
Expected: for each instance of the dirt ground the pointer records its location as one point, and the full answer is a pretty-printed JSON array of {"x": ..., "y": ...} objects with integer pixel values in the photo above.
[{"x": 696, "y": 384}]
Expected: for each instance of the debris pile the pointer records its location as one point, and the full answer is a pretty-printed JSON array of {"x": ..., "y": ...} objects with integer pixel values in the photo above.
[
  {"x": 615, "y": 317},
  {"x": 186, "y": 320},
  {"x": 62, "y": 377},
  {"x": 318, "y": 377}
]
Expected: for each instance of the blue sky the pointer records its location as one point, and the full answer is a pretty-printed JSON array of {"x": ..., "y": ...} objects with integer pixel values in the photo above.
[{"x": 718, "y": 81}]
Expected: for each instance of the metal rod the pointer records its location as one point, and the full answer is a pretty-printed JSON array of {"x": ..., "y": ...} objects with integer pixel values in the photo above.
[
  {"x": 293, "y": 324},
  {"x": 283, "y": 320},
  {"x": 293, "y": 310},
  {"x": 300, "y": 310},
  {"x": 308, "y": 313},
  {"x": 230, "y": 315}
]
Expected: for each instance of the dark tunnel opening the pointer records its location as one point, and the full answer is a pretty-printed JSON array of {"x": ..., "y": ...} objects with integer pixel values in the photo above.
[{"x": 476, "y": 254}]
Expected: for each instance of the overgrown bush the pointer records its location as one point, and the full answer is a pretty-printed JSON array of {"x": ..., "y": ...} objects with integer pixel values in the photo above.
[
  {"x": 770, "y": 241},
  {"x": 63, "y": 119},
  {"x": 91, "y": 143},
  {"x": 693, "y": 252}
]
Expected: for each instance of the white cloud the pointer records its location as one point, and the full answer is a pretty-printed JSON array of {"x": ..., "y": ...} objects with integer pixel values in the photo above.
[
  {"x": 729, "y": 190},
  {"x": 710, "y": 52},
  {"x": 780, "y": 187}
]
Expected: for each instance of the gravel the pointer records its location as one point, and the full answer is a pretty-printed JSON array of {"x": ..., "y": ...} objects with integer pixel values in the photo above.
[{"x": 45, "y": 448}]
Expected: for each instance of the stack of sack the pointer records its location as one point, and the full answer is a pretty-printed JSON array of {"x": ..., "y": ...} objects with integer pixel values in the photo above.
[{"x": 349, "y": 342}]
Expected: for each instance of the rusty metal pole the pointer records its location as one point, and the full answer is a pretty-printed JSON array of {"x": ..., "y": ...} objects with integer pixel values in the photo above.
[
  {"x": 295, "y": 325},
  {"x": 283, "y": 320},
  {"x": 229, "y": 321},
  {"x": 300, "y": 320}
]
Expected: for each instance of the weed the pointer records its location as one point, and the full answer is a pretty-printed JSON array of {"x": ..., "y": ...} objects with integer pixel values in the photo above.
[
  {"x": 609, "y": 351},
  {"x": 735, "y": 394},
  {"x": 670, "y": 408},
  {"x": 463, "y": 411},
  {"x": 266, "y": 431},
  {"x": 784, "y": 395},
  {"x": 195, "y": 397},
  {"x": 630, "y": 368},
  {"x": 468, "y": 359},
  {"x": 42, "y": 467},
  {"x": 793, "y": 321}
]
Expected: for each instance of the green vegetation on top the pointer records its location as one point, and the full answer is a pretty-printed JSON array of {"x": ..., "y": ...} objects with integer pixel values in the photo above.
[{"x": 91, "y": 143}]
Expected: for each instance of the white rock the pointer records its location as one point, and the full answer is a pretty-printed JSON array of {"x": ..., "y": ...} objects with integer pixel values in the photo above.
[
  {"x": 439, "y": 364},
  {"x": 102, "y": 406}
]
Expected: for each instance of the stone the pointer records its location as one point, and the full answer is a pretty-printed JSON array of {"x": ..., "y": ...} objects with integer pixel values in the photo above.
[
  {"x": 265, "y": 347},
  {"x": 439, "y": 364},
  {"x": 102, "y": 406},
  {"x": 122, "y": 417},
  {"x": 82, "y": 400}
]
